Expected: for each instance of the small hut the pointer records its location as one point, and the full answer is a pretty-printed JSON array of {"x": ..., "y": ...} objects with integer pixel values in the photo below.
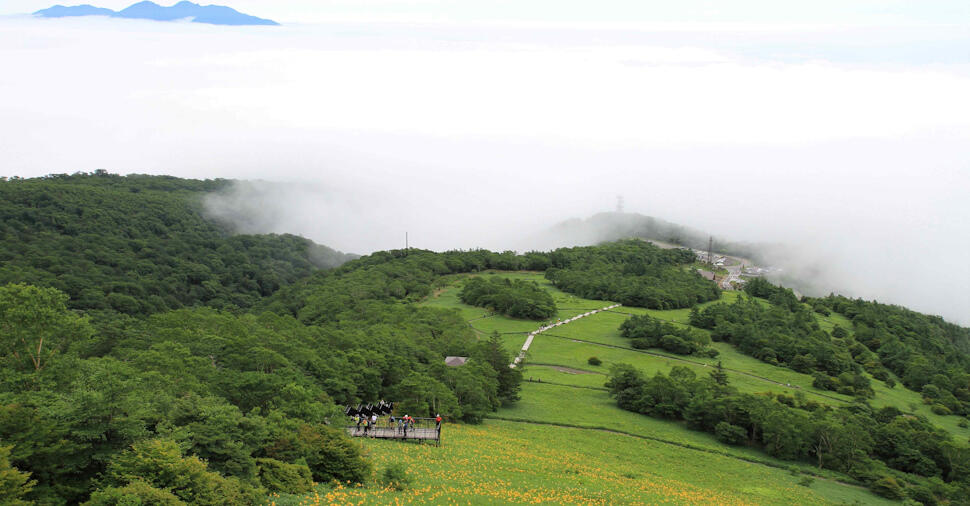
[{"x": 455, "y": 361}]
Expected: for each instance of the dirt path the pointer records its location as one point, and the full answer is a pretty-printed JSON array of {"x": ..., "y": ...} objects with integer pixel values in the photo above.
[{"x": 528, "y": 340}]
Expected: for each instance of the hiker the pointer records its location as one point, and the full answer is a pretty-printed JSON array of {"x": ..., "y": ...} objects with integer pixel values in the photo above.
[
  {"x": 437, "y": 421},
  {"x": 358, "y": 420},
  {"x": 373, "y": 420},
  {"x": 405, "y": 425},
  {"x": 365, "y": 426}
]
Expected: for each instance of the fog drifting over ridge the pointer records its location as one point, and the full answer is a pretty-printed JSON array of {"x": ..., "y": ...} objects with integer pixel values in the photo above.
[{"x": 849, "y": 144}]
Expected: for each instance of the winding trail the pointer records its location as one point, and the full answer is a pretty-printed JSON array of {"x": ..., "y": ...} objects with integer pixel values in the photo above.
[{"x": 528, "y": 340}]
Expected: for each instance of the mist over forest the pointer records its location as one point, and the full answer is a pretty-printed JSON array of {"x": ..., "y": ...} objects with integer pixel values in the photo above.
[{"x": 885, "y": 253}]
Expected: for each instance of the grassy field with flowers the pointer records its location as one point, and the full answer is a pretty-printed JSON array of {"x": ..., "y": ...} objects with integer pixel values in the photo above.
[{"x": 508, "y": 462}]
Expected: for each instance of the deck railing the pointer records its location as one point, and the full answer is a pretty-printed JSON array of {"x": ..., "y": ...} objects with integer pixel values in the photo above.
[{"x": 423, "y": 429}]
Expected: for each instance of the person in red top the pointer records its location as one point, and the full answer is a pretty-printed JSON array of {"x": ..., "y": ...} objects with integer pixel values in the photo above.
[{"x": 437, "y": 419}]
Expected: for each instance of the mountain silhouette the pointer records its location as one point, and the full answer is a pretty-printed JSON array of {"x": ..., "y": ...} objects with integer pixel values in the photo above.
[{"x": 209, "y": 14}]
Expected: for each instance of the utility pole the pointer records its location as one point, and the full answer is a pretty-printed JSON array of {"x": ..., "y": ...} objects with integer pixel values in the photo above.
[{"x": 406, "y": 245}]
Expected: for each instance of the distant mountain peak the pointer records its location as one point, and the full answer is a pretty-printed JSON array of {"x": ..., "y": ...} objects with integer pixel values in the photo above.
[{"x": 209, "y": 14}]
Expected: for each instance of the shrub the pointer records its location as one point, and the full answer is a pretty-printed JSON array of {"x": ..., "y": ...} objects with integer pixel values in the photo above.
[
  {"x": 922, "y": 495},
  {"x": 594, "y": 361},
  {"x": 806, "y": 481},
  {"x": 941, "y": 409},
  {"x": 135, "y": 493},
  {"x": 641, "y": 343},
  {"x": 279, "y": 476},
  {"x": 709, "y": 353},
  {"x": 328, "y": 453},
  {"x": 14, "y": 484},
  {"x": 395, "y": 476},
  {"x": 823, "y": 381},
  {"x": 160, "y": 464},
  {"x": 675, "y": 344},
  {"x": 887, "y": 487},
  {"x": 730, "y": 434}
]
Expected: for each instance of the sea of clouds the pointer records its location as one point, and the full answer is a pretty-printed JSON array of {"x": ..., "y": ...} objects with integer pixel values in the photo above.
[{"x": 473, "y": 128}]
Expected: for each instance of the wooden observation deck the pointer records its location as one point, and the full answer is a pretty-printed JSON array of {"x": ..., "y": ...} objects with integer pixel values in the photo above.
[{"x": 424, "y": 429}]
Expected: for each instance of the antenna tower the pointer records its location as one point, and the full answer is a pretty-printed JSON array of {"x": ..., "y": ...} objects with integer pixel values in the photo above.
[
  {"x": 710, "y": 250},
  {"x": 619, "y": 203}
]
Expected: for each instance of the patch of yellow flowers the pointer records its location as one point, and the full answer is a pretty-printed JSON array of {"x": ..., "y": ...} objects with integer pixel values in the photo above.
[{"x": 495, "y": 464}]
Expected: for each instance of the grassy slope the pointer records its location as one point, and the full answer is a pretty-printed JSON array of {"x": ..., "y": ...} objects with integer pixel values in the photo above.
[
  {"x": 572, "y": 399},
  {"x": 509, "y": 462},
  {"x": 567, "y": 442}
]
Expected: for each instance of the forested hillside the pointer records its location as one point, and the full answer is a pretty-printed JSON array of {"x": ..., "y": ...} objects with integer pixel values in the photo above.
[
  {"x": 147, "y": 355},
  {"x": 130, "y": 368},
  {"x": 140, "y": 245},
  {"x": 928, "y": 354},
  {"x": 632, "y": 272}
]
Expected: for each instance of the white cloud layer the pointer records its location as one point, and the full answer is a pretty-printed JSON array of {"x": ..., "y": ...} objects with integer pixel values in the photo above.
[{"x": 849, "y": 142}]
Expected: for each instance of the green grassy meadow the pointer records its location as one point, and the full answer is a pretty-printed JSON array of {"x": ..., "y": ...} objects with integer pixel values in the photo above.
[
  {"x": 504, "y": 462},
  {"x": 563, "y": 396}
]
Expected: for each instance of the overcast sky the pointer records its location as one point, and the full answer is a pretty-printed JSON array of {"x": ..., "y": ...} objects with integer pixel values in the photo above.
[{"x": 838, "y": 127}]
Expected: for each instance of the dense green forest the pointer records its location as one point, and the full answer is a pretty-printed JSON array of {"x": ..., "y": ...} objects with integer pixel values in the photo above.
[
  {"x": 645, "y": 332},
  {"x": 140, "y": 245},
  {"x": 928, "y": 354},
  {"x": 785, "y": 332},
  {"x": 208, "y": 399},
  {"x": 515, "y": 298},
  {"x": 631, "y": 272},
  {"x": 896, "y": 455}
]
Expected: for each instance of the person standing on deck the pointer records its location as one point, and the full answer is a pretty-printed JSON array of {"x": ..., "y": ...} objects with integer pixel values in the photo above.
[
  {"x": 373, "y": 422},
  {"x": 437, "y": 421}
]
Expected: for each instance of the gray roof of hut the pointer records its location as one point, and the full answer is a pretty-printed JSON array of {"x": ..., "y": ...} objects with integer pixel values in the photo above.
[{"x": 455, "y": 361}]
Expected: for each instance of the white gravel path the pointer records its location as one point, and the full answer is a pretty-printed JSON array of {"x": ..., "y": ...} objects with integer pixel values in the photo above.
[{"x": 528, "y": 340}]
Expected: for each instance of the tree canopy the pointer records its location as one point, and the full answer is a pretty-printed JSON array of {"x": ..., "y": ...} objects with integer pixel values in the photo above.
[
  {"x": 140, "y": 245},
  {"x": 631, "y": 272},
  {"x": 515, "y": 298}
]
